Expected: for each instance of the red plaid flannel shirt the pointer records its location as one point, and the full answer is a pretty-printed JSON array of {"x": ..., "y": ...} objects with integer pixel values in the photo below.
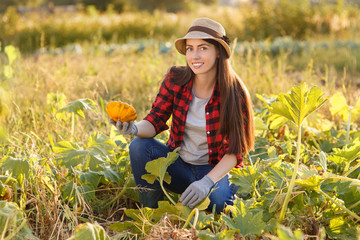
[{"x": 174, "y": 99}]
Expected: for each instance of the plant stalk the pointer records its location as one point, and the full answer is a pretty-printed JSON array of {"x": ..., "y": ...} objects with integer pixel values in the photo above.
[
  {"x": 167, "y": 195},
  {"x": 72, "y": 125},
  {"x": 196, "y": 212},
  {"x": 292, "y": 182},
  {"x": 352, "y": 169},
  {"x": 122, "y": 192},
  {"x": 348, "y": 127},
  {"x": 345, "y": 178},
  {"x": 340, "y": 206}
]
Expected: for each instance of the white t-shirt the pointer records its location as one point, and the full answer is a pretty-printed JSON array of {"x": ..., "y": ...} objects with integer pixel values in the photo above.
[{"x": 194, "y": 147}]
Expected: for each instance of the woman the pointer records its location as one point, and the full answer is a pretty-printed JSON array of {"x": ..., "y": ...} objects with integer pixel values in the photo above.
[{"x": 212, "y": 122}]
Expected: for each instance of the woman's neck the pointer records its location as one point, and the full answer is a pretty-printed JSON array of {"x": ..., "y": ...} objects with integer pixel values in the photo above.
[{"x": 203, "y": 86}]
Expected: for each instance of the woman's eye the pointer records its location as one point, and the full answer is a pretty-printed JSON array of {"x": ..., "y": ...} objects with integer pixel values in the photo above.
[
  {"x": 188, "y": 49},
  {"x": 203, "y": 48}
]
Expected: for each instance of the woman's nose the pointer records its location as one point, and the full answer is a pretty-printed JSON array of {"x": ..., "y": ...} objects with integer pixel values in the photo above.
[{"x": 196, "y": 54}]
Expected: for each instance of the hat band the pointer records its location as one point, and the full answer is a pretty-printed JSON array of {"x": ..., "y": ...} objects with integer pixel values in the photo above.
[{"x": 211, "y": 32}]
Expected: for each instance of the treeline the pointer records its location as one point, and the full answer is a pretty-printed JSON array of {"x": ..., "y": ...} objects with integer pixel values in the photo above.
[
  {"x": 103, "y": 5},
  {"x": 298, "y": 19}
]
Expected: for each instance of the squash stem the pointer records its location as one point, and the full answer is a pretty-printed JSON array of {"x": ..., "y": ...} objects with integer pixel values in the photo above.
[
  {"x": 339, "y": 205},
  {"x": 195, "y": 212},
  {"x": 292, "y": 182}
]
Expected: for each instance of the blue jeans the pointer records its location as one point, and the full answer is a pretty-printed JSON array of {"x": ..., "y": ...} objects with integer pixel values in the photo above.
[{"x": 143, "y": 150}]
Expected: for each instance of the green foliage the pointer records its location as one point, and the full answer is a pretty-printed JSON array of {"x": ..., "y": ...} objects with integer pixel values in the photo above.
[
  {"x": 340, "y": 107},
  {"x": 296, "y": 106},
  {"x": 13, "y": 224},
  {"x": 78, "y": 106},
  {"x": 93, "y": 156},
  {"x": 90, "y": 231},
  {"x": 157, "y": 169},
  {"x": 285, "y": 233},
  {"x": 299, "y": 103},
  {"x": 247, "y": 222},
  {"x": 19, "y": 168}
]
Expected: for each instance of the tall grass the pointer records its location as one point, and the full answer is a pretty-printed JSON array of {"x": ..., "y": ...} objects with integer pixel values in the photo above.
[{"x": 131, "y": 76}]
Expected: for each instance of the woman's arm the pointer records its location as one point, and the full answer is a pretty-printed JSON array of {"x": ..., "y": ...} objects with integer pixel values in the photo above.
[
  {"x": 223, "y": 167},
  {"x": 145, "y": 129}
]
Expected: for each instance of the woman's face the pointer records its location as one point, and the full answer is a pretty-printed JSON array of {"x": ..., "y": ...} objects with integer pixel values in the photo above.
[{"x": 201, "y": 56}]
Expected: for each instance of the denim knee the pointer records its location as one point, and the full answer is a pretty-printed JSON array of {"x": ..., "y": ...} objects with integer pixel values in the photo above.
[
  {"x": 136, "y": 145},
  {"x": 223, "y": 195}
]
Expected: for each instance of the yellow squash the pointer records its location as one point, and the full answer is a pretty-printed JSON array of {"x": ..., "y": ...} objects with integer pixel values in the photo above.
[{"x": 120, "y": 111}]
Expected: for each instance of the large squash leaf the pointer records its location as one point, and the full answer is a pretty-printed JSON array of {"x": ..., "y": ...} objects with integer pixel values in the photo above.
[
  {"x": 157, "y": 168},
  {"x": 79, "y": 105},
  {"x": 339, "y": 106},
  {"x": 94, "y": 156},
  {"x": 90, "y": 231},
  {"x": 299, "y": 103},
  {"x": 246, "y": 221},
  {"x": 18, "y": 167}
]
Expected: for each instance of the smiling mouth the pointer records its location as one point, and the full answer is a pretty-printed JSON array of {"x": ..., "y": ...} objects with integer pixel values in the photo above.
[{"x": 197, "y": 65}]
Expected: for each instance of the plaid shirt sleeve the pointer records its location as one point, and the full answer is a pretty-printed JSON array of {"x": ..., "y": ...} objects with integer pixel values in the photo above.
[{"x": 162, "y": 107}]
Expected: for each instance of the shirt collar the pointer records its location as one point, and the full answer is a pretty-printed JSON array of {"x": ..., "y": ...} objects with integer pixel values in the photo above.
[{"x": 215, "y": 95}]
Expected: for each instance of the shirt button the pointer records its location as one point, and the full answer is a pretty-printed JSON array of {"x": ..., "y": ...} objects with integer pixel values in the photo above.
[
  {"x": 210, "y": 151},
  {"x": 207, "y": 113},
  {"x": 208, "y": 132}
]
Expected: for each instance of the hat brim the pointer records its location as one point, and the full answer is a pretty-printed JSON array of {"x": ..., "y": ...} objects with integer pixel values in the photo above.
[{"x": 181, "y": 42}]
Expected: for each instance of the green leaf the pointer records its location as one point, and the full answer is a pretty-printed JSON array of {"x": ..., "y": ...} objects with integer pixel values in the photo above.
[
  {"x": 95, "y": 156},
  {"x": 245, "y": 178},
  {"x": 223, "y": 235},
  {"x": 312, "y": 183},
  {"x": 277, "y": 121},
  {"x": 91, "y": 178},
  {"x": 323, "y": 161},
  {"x": 123, "y": 226},
  {"x": 11, "y": 53},
  {"x": 299, "y": 103},
  {"x": 246, "y": 222},
  {"x": 260, "y": 124},
  {"x": 111, "y": 174},
  {"x": 204, "y": 204},
  {"x": 339, "y": 106},
  {"x": 149, "y": 178},
  {"x": 346, "y": 154},
  {"x": 79, "y": 105},
  {"x": 18, "y": 167},
  {"x": 285, "y": 233},
  {"x": 11, "y": 220},
  {"x": 90, "y": 231},
  {"x": 158, "y": 167}
]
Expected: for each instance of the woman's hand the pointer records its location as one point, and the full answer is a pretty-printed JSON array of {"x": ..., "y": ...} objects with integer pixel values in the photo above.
[
  {"x": 125, "y": 128},
  {"x": 196, "y": 192}
]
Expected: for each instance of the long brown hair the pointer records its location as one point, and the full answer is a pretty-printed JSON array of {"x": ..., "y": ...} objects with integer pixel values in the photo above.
[{"x": 236, "y": 113}]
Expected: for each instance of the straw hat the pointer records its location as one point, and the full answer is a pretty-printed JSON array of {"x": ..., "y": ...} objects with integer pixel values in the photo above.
[{"x": 204, "y": 28}]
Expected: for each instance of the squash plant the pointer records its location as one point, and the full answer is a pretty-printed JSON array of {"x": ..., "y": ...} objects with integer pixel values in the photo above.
[{"x": 295, "y": 107}]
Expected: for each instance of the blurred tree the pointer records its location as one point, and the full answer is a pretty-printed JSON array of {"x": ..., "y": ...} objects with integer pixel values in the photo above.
[
  {"x": 31, "y": 3},
  {"x": 165, "y": 5}
]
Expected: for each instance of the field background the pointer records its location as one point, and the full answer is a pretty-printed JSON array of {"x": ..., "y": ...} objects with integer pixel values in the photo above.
[{"x": 63, "y": 165}]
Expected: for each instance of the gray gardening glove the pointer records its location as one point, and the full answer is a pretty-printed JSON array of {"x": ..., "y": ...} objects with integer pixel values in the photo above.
[
  {"x": 125, "y": 128},
  {"x": 196, "y": 192}
]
